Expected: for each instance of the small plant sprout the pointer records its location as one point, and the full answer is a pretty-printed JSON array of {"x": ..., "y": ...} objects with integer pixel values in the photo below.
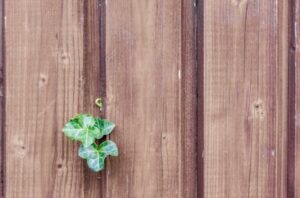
[
  {"x": 87, "y": 129},
  {"x": 99, "y": 103}
]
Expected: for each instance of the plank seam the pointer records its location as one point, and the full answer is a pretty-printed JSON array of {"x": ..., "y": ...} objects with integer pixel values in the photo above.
[
  {"x": 199, "y": 29},
  {"x": 291, "y": 101},
  {"x": 3, "y": 102},
  {"x": 102, "y": 80},
  {"x": 189, "y": 98},
  {"x": 94, "y": 28}
]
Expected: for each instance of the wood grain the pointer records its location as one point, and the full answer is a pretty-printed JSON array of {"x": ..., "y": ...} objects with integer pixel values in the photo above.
[
  {"x": 44, "y": 83},
  {"x": 294, "y": 171},
  {"x": 189, "y": 87},
  {"x": 292, "y": 102},
  {"x": 245, "y": 98},
  {"x": 205, "y": 95},
  {"x": 93, "y": 77},
  {"x": 144, "y": 89},
  {"x": 199, "y": 51},
  {"x": 2, "y": 99}
]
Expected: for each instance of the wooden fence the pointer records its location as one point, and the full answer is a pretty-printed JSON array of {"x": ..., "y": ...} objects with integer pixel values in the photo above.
[{"x": 205, "y": 95}]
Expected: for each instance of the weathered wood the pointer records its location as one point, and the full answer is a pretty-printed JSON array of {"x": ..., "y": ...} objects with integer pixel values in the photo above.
[
  {"x": 294, "y": 169},
  {"x": 198, "y": 90},
  {"x": 94, "y": 81},
  {"x": 245, "y": 98},
  {"x": 292, "y": 102},
  {"x": 189, "y": 101},
  {"x": 282, "y": 101},
  {"x": 199, "y": 6},
  {"x": 144, "y": 88},
  {"x": 2, "y": 100},
  {"x": 44, "y": 83}
]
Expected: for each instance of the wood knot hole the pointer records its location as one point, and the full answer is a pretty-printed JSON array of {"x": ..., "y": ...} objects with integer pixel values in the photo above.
[
  {"x": 64, "y": 58},
  {"x": 258, "y": 109},
  {"x": 42, "y": 80}
]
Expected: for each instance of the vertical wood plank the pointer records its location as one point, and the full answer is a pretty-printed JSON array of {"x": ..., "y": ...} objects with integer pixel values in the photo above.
[
  {"x": 282, "y": 122},
  {"x": 94, "y": 81},
  {"x": 190, "y": 138},
  {"x": 292, "y": 102},
  {"x": 199, "y": 31},
  {"x": 2, "y": 99},
  {"x": 45, "y": 86},
  {"x": 245, "y": 98},
  {"x": 294, "y": 170},
  {"x": 144, "y": 67}
]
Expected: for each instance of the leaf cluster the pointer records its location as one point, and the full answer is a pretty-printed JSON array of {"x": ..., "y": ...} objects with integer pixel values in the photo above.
[{"x": 87, "y": 129}]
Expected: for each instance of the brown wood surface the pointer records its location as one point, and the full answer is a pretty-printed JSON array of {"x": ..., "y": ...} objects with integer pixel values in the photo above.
[
  {"x": 144, "y": 88},
  {"x": 189, "y": 86},
  {"x": 45, "y": 87},
  {"x": 199, "y": 33},
  {"x": 245, "y": 98},
  {"x": 293, "y": 95},
  {"x": 205, "y": 95},
  {"x": 94, "y": 84},
  {"x": 294, "y": 170},
  {"x": 2, "y": 99}
]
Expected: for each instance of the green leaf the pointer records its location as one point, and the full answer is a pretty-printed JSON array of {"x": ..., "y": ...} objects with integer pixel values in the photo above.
[
  {"x": 105, "y": 127},
  {"x": 82, "y": 128},
  {"x": 73, "y": 130},
  {"x": 86, "y": 129},
  {"x": 108, "y": 148},
  {"x": 89, "y": 152},
  {"x": 96, "y": 164},
  {"x": 96, "y": 154}
]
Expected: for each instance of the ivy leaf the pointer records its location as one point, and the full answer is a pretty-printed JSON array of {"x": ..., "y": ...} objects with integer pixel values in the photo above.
[
  {"x": 89, "y": 152},
  {"x": 86, "y": 129},
  {"x": 105, "y": 127},
  {"x": 96, "y": 164},
  {"x": 96, "y": 155},
  {"x": 82, "y": 128},
  {"x": 108, "y": 148}
]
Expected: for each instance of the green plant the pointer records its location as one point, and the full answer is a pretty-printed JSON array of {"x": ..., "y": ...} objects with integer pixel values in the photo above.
[{"x": 87, "y": 129}]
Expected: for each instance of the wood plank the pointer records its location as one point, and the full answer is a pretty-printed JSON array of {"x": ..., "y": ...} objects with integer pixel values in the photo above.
[
  {"x": 292, "y": 103},
  {"x": 144, "y": 67},
  {"x": 199, "y": 6},
  {"x": 45, "y": 86},
  {"x": 245, "y": 98},
  {"x": 94, "y": 81},
  {"x": 294, "y": 169},
  {"x": 2, "y": 100},
  {"x": 189, "y": 125}
]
